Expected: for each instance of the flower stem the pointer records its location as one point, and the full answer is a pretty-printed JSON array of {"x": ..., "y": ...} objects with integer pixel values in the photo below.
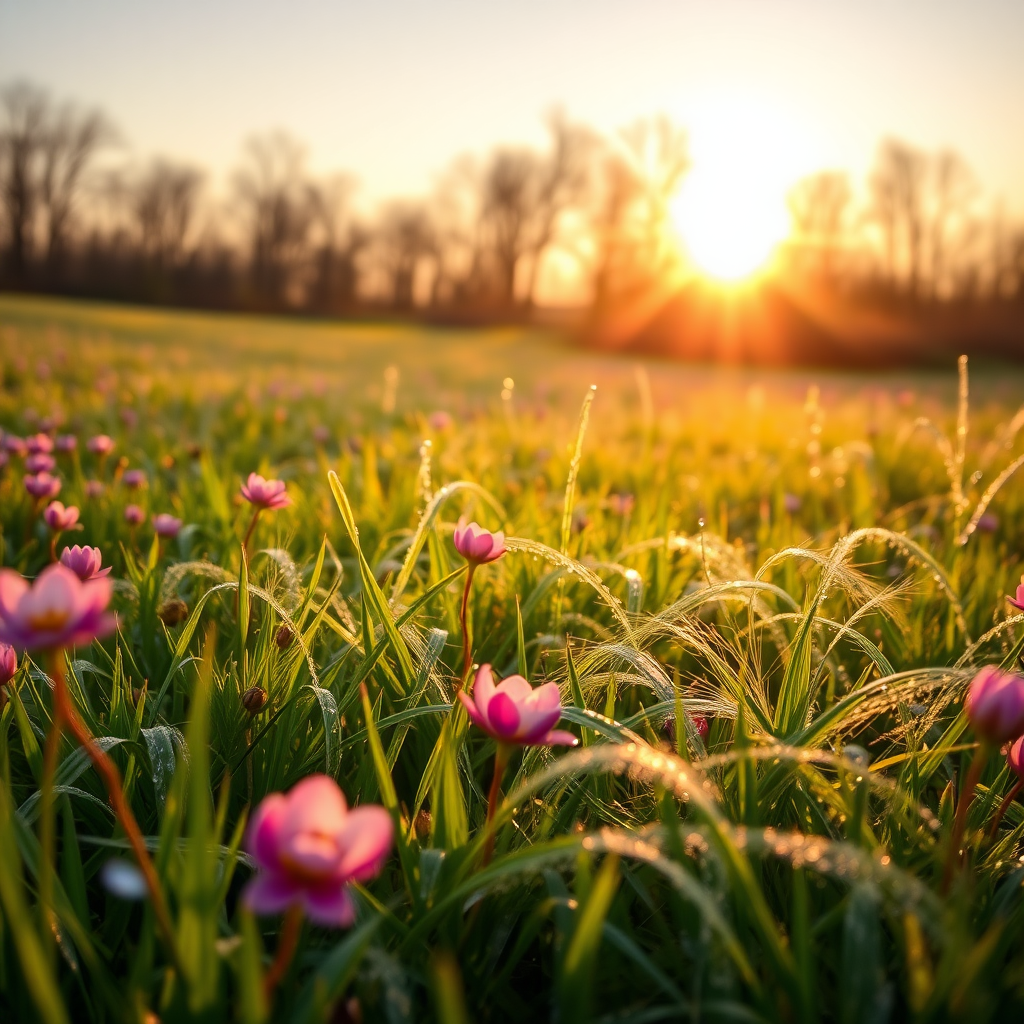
[
  {"x": 467, "y": 655},
  {"x": 64, "y": 712},
  {"x": 249, "y": 532},
  {"x": 1004, "y": 807},
  {"x": 960, "y": 820},
  {"x": 500, "y": 763},
  {"x": 287, "y": 943}
]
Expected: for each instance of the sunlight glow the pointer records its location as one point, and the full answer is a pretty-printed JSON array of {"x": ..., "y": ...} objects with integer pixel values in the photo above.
[{"x": 731, "y": 209}]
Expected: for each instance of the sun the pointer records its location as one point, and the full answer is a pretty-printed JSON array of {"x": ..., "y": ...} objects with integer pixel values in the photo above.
[{"x": 731, "y": 209}]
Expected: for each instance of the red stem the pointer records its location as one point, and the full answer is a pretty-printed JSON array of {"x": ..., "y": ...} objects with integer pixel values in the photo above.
[
  {"x": 960, "y": 821},
  {"x": 1004, "y": 807},
  {"x": 500, "y": 762},
  {"x": 249, "y": 532},
  {"x": 287, "y": 943},
  {"x": 467, "y": 655}
]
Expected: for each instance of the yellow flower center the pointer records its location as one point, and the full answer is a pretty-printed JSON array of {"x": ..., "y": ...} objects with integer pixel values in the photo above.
[{"x": 48, "y": 618}]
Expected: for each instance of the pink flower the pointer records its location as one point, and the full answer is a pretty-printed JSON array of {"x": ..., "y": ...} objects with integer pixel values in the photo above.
[
  {"x": 621, "y": 504},
  {"x": 39, "y": 444},
  {"x": 321, "y": 434},
  {"x": 15, "y": 445},
  {"x": 40, "y": 463},
  {"x": 94, "y": 488},
  {"x": 1014, "y": 756},
  {"x": 58, "y": 610},
  {"x": 265, "y": 493},
  {"x": 514, "y": 712},
  {"x": 134, "y": 478},
  {"x": 995, "y": 705},
  {"x": 58, "y": 517},
  {"x": 8, "y": 664},
  {"x": 1018, "y": 600},
  {"x": 440, "y": 420},
  {"x": 66, "y": 443},
  {"x": 84, "y": 562},
  {"x": 101, "y": 444},
  {"x": 166, "y": 525},
  {"x": 42, "y": 485},
  {"x": 133, "y": 515},
  {"x": 477, "y": 545},
  {"x": 308, "y": 846}
]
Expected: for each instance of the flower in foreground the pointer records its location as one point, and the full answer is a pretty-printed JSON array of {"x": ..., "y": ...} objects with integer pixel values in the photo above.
[
  {"x": 8, "y": 664},
  {"x": 60, "y": 517},
  {"x": 265, "y": 493},
  {"x": 1018, "y": 599},
  {"x": 57, "y": 610},
  {"x": 166, "y": 525},
  {"x": 309, "y": 846},
  {"x": 995, "y": 705},
  {"x": 477, "y": 545},
  {"x": 85, "y": 562},
  {"x": 42, "y": 485},
  {"x": 515, "y": 713}
]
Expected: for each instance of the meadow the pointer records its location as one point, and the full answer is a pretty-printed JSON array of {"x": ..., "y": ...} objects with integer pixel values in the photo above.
[{"x": 762, "y": 598}]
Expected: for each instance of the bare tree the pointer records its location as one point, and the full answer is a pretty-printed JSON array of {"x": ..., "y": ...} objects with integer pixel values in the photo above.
[
  {"x": 163, "y": 204},
  {"x": 25, "y": 111},
  {"x": 898, "y": 186},
  {"x": 405, "y": 238},
  {"x": 338, "y": 239},
  {"x": 818, "y": 206},
  {"x": 950, "y": 230},
  {"x": 274, "y": 198}
]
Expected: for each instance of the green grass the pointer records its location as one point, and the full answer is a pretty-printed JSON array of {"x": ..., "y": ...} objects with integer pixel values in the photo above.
[{"x": 789, "y": 568}]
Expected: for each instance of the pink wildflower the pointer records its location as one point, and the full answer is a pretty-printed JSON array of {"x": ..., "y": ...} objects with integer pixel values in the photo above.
[
  {"x": 60, "y": 517},
  {"x": 84, "y": 562},
  {"x": 166, "y": 525},
  {"x": 995, "y": 705},
  {"x": 477, "y": 545},
  {"x": 42, "y": 485},
  {"x": 265, "y": 493}
]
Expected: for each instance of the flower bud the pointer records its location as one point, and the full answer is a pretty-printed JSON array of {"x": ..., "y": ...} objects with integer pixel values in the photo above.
[
  {"x": 254, "y": 700},
  {"x": 284, "y": 637},
  {"x": 172, "y": 611},
  {"x": 995, "y": 705}
]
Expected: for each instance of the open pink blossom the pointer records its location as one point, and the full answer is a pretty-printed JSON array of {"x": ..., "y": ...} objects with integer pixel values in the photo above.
[
  {"x": 94, "y": 488},
  {"x": 478, "y": 545},
  {"x": 995, "y": 705},
  {"x": 1018, "y": 599},
  {"x": 39, "y": 444},
  {"x": 309, "y": 846},
  {"x": 134, "y": 478},
  {"x": 8, "y": 664},
  {"x": 85, "y": 562},
  {"x": 66, "y": 443},
  {"x": 14, "y": 444},
  {"x": 42, "y": 485},
  {"x": 265, "y": 493},
  {"x": 60, "y": 517},
  {"x": 166, "y": 525},
  {"x": 133, "y": 515},
  {"x": 40, "y": 462},
  {"x": 57, "y": 610},
  {"x": 101, "y": 444},
  {"x": 514, "y": 712}
]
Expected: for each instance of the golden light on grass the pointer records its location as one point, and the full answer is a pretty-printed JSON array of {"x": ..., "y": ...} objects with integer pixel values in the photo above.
[{"x": 731, "y": 209}]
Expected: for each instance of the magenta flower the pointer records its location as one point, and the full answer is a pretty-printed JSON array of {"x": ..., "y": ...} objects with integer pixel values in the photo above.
[
  {"x": 8, "y": 664},
  {"x": 66, "y": 443},
  {"x": 1018, "y": 600},
  {"x": 84, "y": 562},
  {"x": 39, "y": 444},
  {"x": 15, "y": 445},
  {"x": 515, "y": 713},
  {"x": 94, "y": 488},
  {"x": 57, "y": 610},
  {"x": 166, "y": 525},
  {"x": 477, "y": 545},
  {"x": 995, "y": 705},
  {"x": 42, "y": 485},
  {"x": 1014, "y": 756},
  {"x": 133, "y": 515},
  {"x": 101, "y": 444},
  {"x": 134, "y": 478},
  {"x": 40, "y": 463},
  {"x": 265, "y": 493},
  {"x": 309, "y": 846},
  {"x": 58, "y": 517}
]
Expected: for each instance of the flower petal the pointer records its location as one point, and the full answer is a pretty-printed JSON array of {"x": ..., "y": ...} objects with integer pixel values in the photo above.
[
  {"x": 264, "y": 829},
  {"x": 557, "y": 738},
  {"x": 503, "y": 716},
  {"x": 365, "y": 842},
  {"x": 331, "y": 907},
  {"x": 270, "y": 893}
]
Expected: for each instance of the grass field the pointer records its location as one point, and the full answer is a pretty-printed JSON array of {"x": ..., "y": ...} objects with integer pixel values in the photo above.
[{"x": 762, "y": 598}]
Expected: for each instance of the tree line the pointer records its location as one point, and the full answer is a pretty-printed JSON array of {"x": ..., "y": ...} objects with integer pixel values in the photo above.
[{"x": 492, "y": 235}]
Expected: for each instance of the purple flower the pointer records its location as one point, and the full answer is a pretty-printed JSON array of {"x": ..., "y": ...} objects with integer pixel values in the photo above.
[
  {"x": 309, "y": 846},
  {"x": 58, "y": 517},
  {"x": 133, "y": 515},
  {"x": 15, "y": 445},
  {"x": 42, "y": 485},
  {"x": 101, "y": 444},
  {"x": 66, "y": 443},
  {"x": 39, "y": 444},
  {"x": 265, "y": 493},
  {"x": 791, "y": 503},
  {"x": 478, "y": 545},
  {"x": 94, "y": 488},
  {"x": 58, "y": 610},
  {"x": 995, "y": 705},
  {"x": 166, "y": 525},
  {"x": 8, "y": 664},
  {"x": 134, "y": 478},
  {"x": 1014, "y": 756},
  {"x": 1018, "y": 600},
  {"x": 514, "y": 712},
  {"x": 40, "y": 463},
  {"x": 84, "y": 562}
]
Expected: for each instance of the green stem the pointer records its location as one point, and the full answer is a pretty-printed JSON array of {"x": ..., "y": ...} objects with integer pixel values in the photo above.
[
  {"x": 960, "y": 820},
  {"x": 47, "y": 813}
]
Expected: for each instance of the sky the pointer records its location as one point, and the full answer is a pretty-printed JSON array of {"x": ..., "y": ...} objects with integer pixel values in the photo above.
[{"x": 392, "y": 90}]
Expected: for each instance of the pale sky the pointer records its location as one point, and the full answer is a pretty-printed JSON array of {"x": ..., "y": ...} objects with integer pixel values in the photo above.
[{"x": 393, "y": 89}]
